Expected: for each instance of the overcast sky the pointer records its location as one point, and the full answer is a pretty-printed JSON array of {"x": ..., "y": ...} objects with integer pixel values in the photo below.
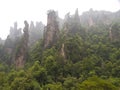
[{"x": 36, "y": 10}]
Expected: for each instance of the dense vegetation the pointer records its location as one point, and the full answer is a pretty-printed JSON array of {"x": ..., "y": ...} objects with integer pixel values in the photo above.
[{"x": 91, "y": 62}]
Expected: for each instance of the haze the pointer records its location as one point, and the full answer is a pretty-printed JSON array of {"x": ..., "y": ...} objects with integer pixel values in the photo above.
[{"x": 36, "y": 10}]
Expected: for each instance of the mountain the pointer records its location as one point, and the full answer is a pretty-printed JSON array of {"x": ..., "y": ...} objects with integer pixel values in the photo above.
[{"x": 79, "y": 52}]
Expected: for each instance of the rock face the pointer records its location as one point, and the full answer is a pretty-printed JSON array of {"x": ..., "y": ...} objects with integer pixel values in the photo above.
[
  {"x": 35, "y": 32},
  {"x": 72, "y": 23},
  {"x": 93, "y": 18},
  {"x": 15, "y": 33},
  {"x": 22, "y": 49},
  {"x": 11, "y": 42},
  {"x": 51, "y": 32},
  {"x": 12, "y": 39},
  {"x": 8, "y": 46},
  {"x": 62, "y": 52}
]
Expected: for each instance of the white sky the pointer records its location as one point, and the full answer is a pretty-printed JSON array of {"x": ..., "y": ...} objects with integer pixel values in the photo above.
[{"x": 36, "y": 10}]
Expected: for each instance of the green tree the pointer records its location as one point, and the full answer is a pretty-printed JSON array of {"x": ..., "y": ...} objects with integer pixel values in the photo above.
[{"x": 96, "y": 83}]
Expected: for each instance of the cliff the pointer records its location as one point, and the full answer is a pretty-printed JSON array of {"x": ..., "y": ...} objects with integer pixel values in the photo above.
[
  {"x": 22, "y": 49},
  {"x": 51, "y": 32}
]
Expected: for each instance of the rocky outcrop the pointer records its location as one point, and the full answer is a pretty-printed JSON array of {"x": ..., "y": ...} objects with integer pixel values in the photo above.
[
  {"x": 110, "y": 33},
  {"x": 35, "y": 32},
  {"x": 8, "y": 46},
  {"x": 51, "y": 32},
  {"x": 11, "y": 42},
  {"x": 72, "y": 23},
  {"x": 12, "y": 39},
  {"x": 62, "y": 51},
  {"x": 21, "y": 53},
  {"x": 15, "y": 33},
  {"x": 93, "y": 18}
]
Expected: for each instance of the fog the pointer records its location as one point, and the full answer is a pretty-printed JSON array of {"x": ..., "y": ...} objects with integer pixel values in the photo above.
[{"x": 36, "y": 10}]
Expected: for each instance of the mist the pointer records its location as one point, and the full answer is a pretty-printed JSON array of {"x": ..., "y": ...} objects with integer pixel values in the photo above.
[{"x": 35, "y": 10}]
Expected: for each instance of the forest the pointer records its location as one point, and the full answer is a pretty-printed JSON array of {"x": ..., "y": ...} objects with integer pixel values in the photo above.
[{"x": 79, "y": 52}]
